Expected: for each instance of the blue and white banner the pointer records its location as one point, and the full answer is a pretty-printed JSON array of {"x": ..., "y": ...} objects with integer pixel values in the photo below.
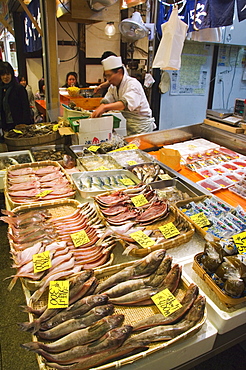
[{"x": 33, "y": 40}]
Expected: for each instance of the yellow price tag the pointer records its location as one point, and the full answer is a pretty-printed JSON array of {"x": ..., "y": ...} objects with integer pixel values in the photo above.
[
  {"x": 141, "y": 238},
  {"x": 200, "y": 219},
  {"x": 169, "y": 230},
  {"x": 80, "y": 238},
  {"x": 58, "y": 294},
  {"x": 93, "y": 148},
  {"x": 41, "y": 261},
  {"x": 17, "y": 131},
  {"x": 55, "y": 127},
  {"x": 165, "y": 176},
  {"x": 139, "y": 200},
  {"x": 43, "y": 193},
  {"x": 126, "y": 147},
  {"x": 166, "y": 302},
  {"x": 101, "y": 168},
  {"x": 127, "y": 181},
  {"x": 131, "y": 163},
  {"x": 240, "y": 241}
]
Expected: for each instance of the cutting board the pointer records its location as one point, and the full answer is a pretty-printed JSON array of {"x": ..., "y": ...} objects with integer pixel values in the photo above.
[{"x": 222, "y": 126}]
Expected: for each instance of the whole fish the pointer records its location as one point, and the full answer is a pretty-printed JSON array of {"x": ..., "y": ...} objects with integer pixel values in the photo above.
[
  {"x": 71, "y": 325},
  {"x": 77, "y": 309},
  {"x": 109, "y": 342},
  {"x": 139, "y": 297},
  {"x": 79, "y": 337},
  {"x": 131, "y": 285},
  {"x": 76, "y": 283},
  {"x": 159, "y": 319},
  {"x": 167, "y": 332},
  {"x": 141, "y": 268},
  {"x": 92, "y": 361}
]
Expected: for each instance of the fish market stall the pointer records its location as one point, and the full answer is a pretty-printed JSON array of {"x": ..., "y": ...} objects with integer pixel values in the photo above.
[{"x": 99, "y": 264}]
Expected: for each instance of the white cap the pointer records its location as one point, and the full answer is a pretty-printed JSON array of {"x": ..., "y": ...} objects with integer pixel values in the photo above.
[{"x": 111, "y": 62}]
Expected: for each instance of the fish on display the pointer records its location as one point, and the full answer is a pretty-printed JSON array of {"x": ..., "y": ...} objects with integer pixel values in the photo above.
[
  {"x": 113, "y": 339},
  {"x": 141, "y": 268},
  {"x": 79, "y": 337},
  {"x": 71, "y": 325}
]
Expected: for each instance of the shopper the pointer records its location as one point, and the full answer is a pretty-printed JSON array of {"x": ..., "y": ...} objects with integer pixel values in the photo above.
[
  {"x": 33, "y": 109},
  {"x": 40, "y": 94},
  {"x": 14, "y": 105},
  {"x": 125, "y": 94},
  {"x": 71, "y": 80}
]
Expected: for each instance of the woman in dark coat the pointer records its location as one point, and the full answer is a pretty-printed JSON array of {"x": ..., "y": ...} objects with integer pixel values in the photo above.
[{"x": 14, "y": 104}]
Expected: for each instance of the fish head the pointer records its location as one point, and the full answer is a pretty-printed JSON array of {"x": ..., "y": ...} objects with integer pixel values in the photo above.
[
  {"x": 104, "y": 310},
  {"x": 99, "y": 299},
  {"x": 120, "y": 334},
  {"x": 197, "y": 310},
  {"x": 115, "y": 320}
]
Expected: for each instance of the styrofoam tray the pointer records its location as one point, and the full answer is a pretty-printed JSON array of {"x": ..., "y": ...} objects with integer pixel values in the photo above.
[{"x": 222, "y": 317}]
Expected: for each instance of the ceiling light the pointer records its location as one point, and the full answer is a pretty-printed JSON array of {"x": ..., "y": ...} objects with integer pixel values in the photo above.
[{"x": 110, "y": 29}]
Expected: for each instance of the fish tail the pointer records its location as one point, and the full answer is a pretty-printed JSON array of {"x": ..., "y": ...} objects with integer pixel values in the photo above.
[
  {"x": 31, "y": 327},
  {"x": 12, "y": 283},
  {"x": 7, "y": 220},
  {"x": 7, "y": 213}
]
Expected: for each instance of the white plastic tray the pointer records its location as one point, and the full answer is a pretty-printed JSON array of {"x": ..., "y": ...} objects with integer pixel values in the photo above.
[{"x": 222, "y": 317}]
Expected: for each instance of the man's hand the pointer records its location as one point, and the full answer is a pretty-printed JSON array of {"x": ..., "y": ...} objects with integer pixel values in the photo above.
[{"x": 99, "y": 111}]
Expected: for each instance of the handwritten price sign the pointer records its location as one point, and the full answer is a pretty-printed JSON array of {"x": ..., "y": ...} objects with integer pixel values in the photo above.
[
  {"x": 127, "y": 147},
  {"x": 169, "y": 230},
  {"x": 58, "y": 294},
  {"x": 101, "y": 168},
  {"x": 141, "y": 238},
  {"x": 93, "y": 148},
  {"x": 131, "y": 163},
  {"x": 80, "y": 238},
  {"x": 41, "y": 261},
  {"x": 166, "y": 302},
  {"x": 240, "y": 241},
  {"x": 127, "y": 181},
  {"x": 139, "y": 200},
  {"x": 43, "y": 193},
  {"x": 200, "y": 219}
]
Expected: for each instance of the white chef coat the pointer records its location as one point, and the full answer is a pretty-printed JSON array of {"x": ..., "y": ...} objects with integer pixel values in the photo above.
[{"x": 137, "y": 113}]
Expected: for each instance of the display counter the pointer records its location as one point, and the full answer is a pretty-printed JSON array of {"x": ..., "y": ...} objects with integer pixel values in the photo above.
[{"x": 152, "y": 142}]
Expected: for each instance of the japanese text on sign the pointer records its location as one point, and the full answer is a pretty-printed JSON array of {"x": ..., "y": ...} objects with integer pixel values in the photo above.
[
  {"x": 240, "y": 241},
  {"x": 141, "y": 238},
  {"x": 58, "y": 294},
  {"x": 127, "y": 147},
  {"x": 101, "y": 168},
  {"x": 80, "y": 238},
  {"x": 169, "y": 230},
  {"x": 127, "y": 181},
  {"x": 41, "y": 261},
  {"x": 200, "y": 219},
  {"x": 93, "y": 148},
  {"x": 166, "y": 302},
  {"x": 43, "y": 193},
  {"x": 139, "y": 200},
  {"x": 131, "y": 163}
]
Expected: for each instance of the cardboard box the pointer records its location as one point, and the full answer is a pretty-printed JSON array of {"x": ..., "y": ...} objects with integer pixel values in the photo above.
[{"x": 171, "y": 158}]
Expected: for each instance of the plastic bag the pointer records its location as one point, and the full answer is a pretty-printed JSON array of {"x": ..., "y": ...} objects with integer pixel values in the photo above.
[{"x": 168, "y": 55}]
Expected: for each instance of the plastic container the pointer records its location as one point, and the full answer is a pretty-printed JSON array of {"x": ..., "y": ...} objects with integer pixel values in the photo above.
[
  {"x": 206, "y": 172},
  {"x": 230, "y": 166},
  {"x": 209, "y": 185},
  {"x": 222, "y": 181}
]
